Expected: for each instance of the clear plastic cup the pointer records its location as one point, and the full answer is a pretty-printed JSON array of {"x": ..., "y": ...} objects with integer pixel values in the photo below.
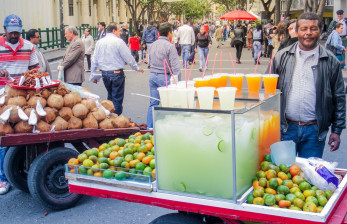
[
  {"x": 253, "y": 82},
  {"x": 172, "y": 80},
  {"x": 227, "y": 97},
  {"x": 185, "y": 97},
  {"x": 283, "y": 152},
  {"x": 201, "y": 82},
  {"x": 164, "y": 96},
  {"x": 205, "y": 96},
  {"x": 183, "y": 84},
  {"x": 270, "y": 83},
  {"x": 236, "y": 80}
]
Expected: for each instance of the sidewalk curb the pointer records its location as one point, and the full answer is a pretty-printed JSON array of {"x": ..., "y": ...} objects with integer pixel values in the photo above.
[{"x": 55, "y": 59}]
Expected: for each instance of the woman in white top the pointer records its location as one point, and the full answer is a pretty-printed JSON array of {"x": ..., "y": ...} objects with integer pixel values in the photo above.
[{"x": 88, "y": 45}]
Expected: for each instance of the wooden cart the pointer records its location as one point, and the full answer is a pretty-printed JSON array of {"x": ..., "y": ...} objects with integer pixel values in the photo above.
[{"x": 35, "y": 162}]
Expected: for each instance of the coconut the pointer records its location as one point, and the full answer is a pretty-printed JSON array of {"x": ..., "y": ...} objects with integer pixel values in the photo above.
[
  {"x": 90, "y": 122},
  {"x": 74, "y": 123},
  {"x": 106, "y": 124},
  {"x": 69, "y": 100},
  {"x": 77, "y": 97},
  {"x": 27, "y": 111},
  {"x": 60, "y": 124},
  {"x": 45, "y": 93},
  {"x": 80, "y": 111},
  {"x": 5, "y": 129},
  {"x": 99, "y": 114},
  {"x": 33, "y": 101},
  {"x": 112, "y": 116},
  {"x": 108, "y": 105},
  {"x": 121, "y": 122},
  {"x": 65, "y": 113},
  {"x": 23, "y": 127},
  {"x": 51, "y": 114},
  {"x": 90, "y": 104},
  {"x": 55, "y": 101},
  {"x": 12, "y": 92},
  {"x": 14, "y": 117},
  {"x": 18, "y": 101},
  {"x": 6, "y": 100},
  {"x": 43, "y": 126},
  {"x": 62, "y": 90}
]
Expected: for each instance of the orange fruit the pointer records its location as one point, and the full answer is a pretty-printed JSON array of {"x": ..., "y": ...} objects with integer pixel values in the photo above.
[
  {"x": 270, "y": 191},
  {"x": 294, "y": 170},
  {"x": 72, "y": 171},
  {"x": 149, "y": 145},
  {"x": 141, "y": 155},
  {"x": 73, "y": 162},
  {"x": 137, "y": 145},
  {"x": 284, "y": 203},
  {"x": 310, "y": 207},
  {"x": 147, "y": 160},
  {"x": 256, "y": 184},
  {"x": 258, "y": 201},
  {"x": 112, "y": 168},
  {"x": 279, "y": 181},
  {"x": 282, "y": 175},
  {"x": 148, "y": 141},
  {"x": 113, "y": 155},
  {"x": 98, "y": 174},
  {"x": 138, "y": 134},
  {"x": 270, "y": 174},
  {"x": 133, "y": 163}
]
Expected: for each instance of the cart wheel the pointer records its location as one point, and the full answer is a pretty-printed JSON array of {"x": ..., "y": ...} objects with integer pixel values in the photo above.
[
  {"x": 177, "y": 218},
  {"x": 47, "y": 182},
  {"x": 14, "y": 167}
]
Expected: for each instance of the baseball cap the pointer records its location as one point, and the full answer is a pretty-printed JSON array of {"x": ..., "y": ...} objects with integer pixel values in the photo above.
[
  {"x": 339, "y": 12},
  {"x": 13, "y": 23}
]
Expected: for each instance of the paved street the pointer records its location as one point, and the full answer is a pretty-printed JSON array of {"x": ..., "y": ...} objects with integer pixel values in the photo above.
[{"x": 18, "y": 207}]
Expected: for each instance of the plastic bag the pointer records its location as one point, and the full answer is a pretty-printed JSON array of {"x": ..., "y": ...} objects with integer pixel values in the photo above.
[
  {"x": 21, "y": 114},
  {"x": 95, "y": 76},
  {"x": 32, "y": 118},
  {"x": 83, "y": 93},
  {"x": 61, "y": 75},
  {"x": 317, "y": 174},
  {"x": 98, "y": 104},
  {"x": 5, "y": 115},
  {"x": 39, "y": 109}
]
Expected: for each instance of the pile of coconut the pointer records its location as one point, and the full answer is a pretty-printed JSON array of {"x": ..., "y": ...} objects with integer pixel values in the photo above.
[{"x": 54, "y": 109}]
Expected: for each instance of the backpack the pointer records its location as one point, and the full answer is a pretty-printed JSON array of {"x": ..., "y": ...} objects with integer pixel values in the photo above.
[{"x": 206, "y": 35}]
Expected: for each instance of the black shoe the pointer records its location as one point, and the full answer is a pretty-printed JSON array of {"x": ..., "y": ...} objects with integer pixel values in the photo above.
[
  {"x": 190, "y": 62},
  {"x": 200, "y": 69},
  {"x": 149, "y": 66}
]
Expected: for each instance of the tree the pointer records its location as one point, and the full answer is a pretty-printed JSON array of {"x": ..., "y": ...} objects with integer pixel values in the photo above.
[
  {"x": 234, "y": 4},
  {"x": 314, "y": 6},
  {"x": 267, "y": 12},
  {"x": 289, "y": 5},
  {"x": 277, "y": 11}
]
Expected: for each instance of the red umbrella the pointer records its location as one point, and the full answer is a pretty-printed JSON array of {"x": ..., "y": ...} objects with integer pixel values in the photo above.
[{"x": 238, "y": 15}]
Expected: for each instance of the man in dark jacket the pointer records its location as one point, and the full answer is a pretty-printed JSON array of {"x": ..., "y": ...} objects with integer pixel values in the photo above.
[
  {"x": 192, "y": 52},
  {"x": 313, "y": 97},
  {"x": 125, "y": 34},
  {"x": 149, "y": 36},
  {"x": 203, "y": 43}
]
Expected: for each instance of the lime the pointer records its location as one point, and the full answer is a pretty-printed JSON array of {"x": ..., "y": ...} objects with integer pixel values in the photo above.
[
  {"x": 118, "y": 161},
  {"x": 290, "y": 197},
  {"x": 120, "y": 175},
  {"x": 147, "y": 171},
  {"x": 104, "y": 166},
  {"x": 82, "y": 170},
  {"x": 284, "y": 168},
  {"x": 304, "y": 186},
  {"x": 222, "y": 146},
  {"x": 322, "y": 200},
  {"x": 102, "y": 160},
  {"x": 107, "y": 174},
  {"x": 283, "y": 189},
  {"x": 312, "y": 198},
  {"x": 121, "y": 142},
  {"x": 270, "y": 199},
  {"x": 152, "y": 163},
  {"x": 140, "y": 166},
  {"x": 128, "y": 157},
  {"x": 90, "y": 172},
  {"x": 250, "y": 199},
  {"x": 267, "y": 157},
  {"x": 207, "y": 131}
]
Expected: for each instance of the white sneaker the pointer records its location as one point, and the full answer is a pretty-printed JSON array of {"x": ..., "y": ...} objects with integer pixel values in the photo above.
[{"x": 4, "y": 187}]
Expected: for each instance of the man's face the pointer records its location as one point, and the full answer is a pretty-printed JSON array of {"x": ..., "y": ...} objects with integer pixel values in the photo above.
[
  {"x": 202, "y": 29},
  {"x": 101, "y": 27},
  {"x": 69, "y": 35},
  {"x": 12, "y": 37},
  {"x": 117, "y": 32},
  {"x": 339, "y": 30},
  {"x": 340, "y": 17},
  {"x": 35, "y": 39},
  {"x": 308, "y": 34},
  {"x": 125, "y": 26},
  {"x": 292, "y": 30}
]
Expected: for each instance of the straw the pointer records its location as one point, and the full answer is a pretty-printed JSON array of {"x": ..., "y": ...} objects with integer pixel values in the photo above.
[
  {"x": 203, "y": 74},
  {"x": 255, "y": 70},
  {"x": 232, "y": 62},
  {"x": 272, "y": 55},
  {"x": 173, "y": 77},
  {"x": 191, "y": 68},
  {"x": 165, "y": 73},
  {"x": 185, "y": 73},
  {"x": 137, "y": 94},
  {"x": 214, "y": 63},
  {"x": 220, "y": 63}
]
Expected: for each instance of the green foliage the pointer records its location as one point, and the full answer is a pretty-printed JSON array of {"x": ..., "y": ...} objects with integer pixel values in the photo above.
[{"x": 192, "y": 9}]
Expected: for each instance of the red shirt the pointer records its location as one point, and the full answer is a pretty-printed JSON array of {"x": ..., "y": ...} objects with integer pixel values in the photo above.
[
  {"x": 134, "y": 43},
  {"x": 206, "y": 28}
]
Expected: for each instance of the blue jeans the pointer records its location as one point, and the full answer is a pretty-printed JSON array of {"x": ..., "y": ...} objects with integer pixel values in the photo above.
[
  {"x": 306, "y": 140},
  {"x": 192, "y": 54},
  {"x": 155, "y": 80},
  {"x": 2, "y": 157},
  {"x": 143, "y": 54},
  {"x": 185, "y": 53},
  {"x": 115, "y": 85},
  {"x": 257, "y": 48},
  {"x": 148, "y": 46},
  {"x": 203, "y": 52}
]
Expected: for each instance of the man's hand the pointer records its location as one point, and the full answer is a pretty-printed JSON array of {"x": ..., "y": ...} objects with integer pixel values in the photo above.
[
  {"x": 141, "y": 70},
  {"x": 60, "y": 68},
  {"x": 196, "y": 50},
  {"x": 4, "y": 73},
  {"x": 334, "y": 138}
]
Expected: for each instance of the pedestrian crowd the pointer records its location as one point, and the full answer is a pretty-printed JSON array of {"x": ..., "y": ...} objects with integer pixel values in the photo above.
[{"x": 293, "y": 46}]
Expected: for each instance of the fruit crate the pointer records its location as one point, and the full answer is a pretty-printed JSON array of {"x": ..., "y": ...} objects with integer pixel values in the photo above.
[
  {"x": 311, "y": 216},
  {"x": 121, "y": 177},
  {"x": 214, "y": 154}
]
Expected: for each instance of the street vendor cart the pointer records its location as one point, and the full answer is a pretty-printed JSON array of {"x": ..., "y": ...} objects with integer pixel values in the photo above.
[{"x": 205, "y": 161}]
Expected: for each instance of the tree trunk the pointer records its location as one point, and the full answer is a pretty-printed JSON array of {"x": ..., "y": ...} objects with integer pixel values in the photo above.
[
  {"x": 277, "y": 11},
  {"x": 289, "y": 5},
  {"x": 321, "y": 7}
]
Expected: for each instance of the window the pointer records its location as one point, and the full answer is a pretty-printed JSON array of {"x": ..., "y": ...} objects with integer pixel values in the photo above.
[
  {"x": 329, "y": 3},
  {"x": 70, "y": 7}
]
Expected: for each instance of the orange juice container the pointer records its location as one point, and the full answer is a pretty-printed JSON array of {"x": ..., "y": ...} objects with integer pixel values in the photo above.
[
  {"x": 270, "y": 83},
  {"x": 236, "y": 80},
  {"x": 253, "y": 82}
]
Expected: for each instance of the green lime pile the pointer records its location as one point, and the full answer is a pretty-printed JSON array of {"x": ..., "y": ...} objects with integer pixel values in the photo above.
[{"x": 285, "y": 187}]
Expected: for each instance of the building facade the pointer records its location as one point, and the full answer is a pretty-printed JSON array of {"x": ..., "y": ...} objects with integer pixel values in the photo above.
[{"x": 46, "y": 13}]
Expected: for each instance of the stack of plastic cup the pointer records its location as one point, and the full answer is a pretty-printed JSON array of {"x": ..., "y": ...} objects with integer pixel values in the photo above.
[
  {"x": 164, "y": 96},
  {"x": 227, "y": 97},
  {"x": 205, "y": 96},
  {"x": 185, "y": 97},
  {"x": 182, "y": 84}
]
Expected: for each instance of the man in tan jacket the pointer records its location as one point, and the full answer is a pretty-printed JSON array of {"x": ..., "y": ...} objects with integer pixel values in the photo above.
[
  {"x": 73, "y": 60},
  {"x": 219, "y": 35}
]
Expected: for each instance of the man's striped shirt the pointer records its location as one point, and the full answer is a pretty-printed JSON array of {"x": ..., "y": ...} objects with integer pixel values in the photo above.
[{"x": 17, "y": 58}]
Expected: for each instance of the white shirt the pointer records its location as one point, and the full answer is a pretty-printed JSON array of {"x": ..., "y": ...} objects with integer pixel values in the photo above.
[
  {"x": 186, "y": 35},
  {"x": 301, "y": 103},
  {"x": 111, "y": 53}
]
